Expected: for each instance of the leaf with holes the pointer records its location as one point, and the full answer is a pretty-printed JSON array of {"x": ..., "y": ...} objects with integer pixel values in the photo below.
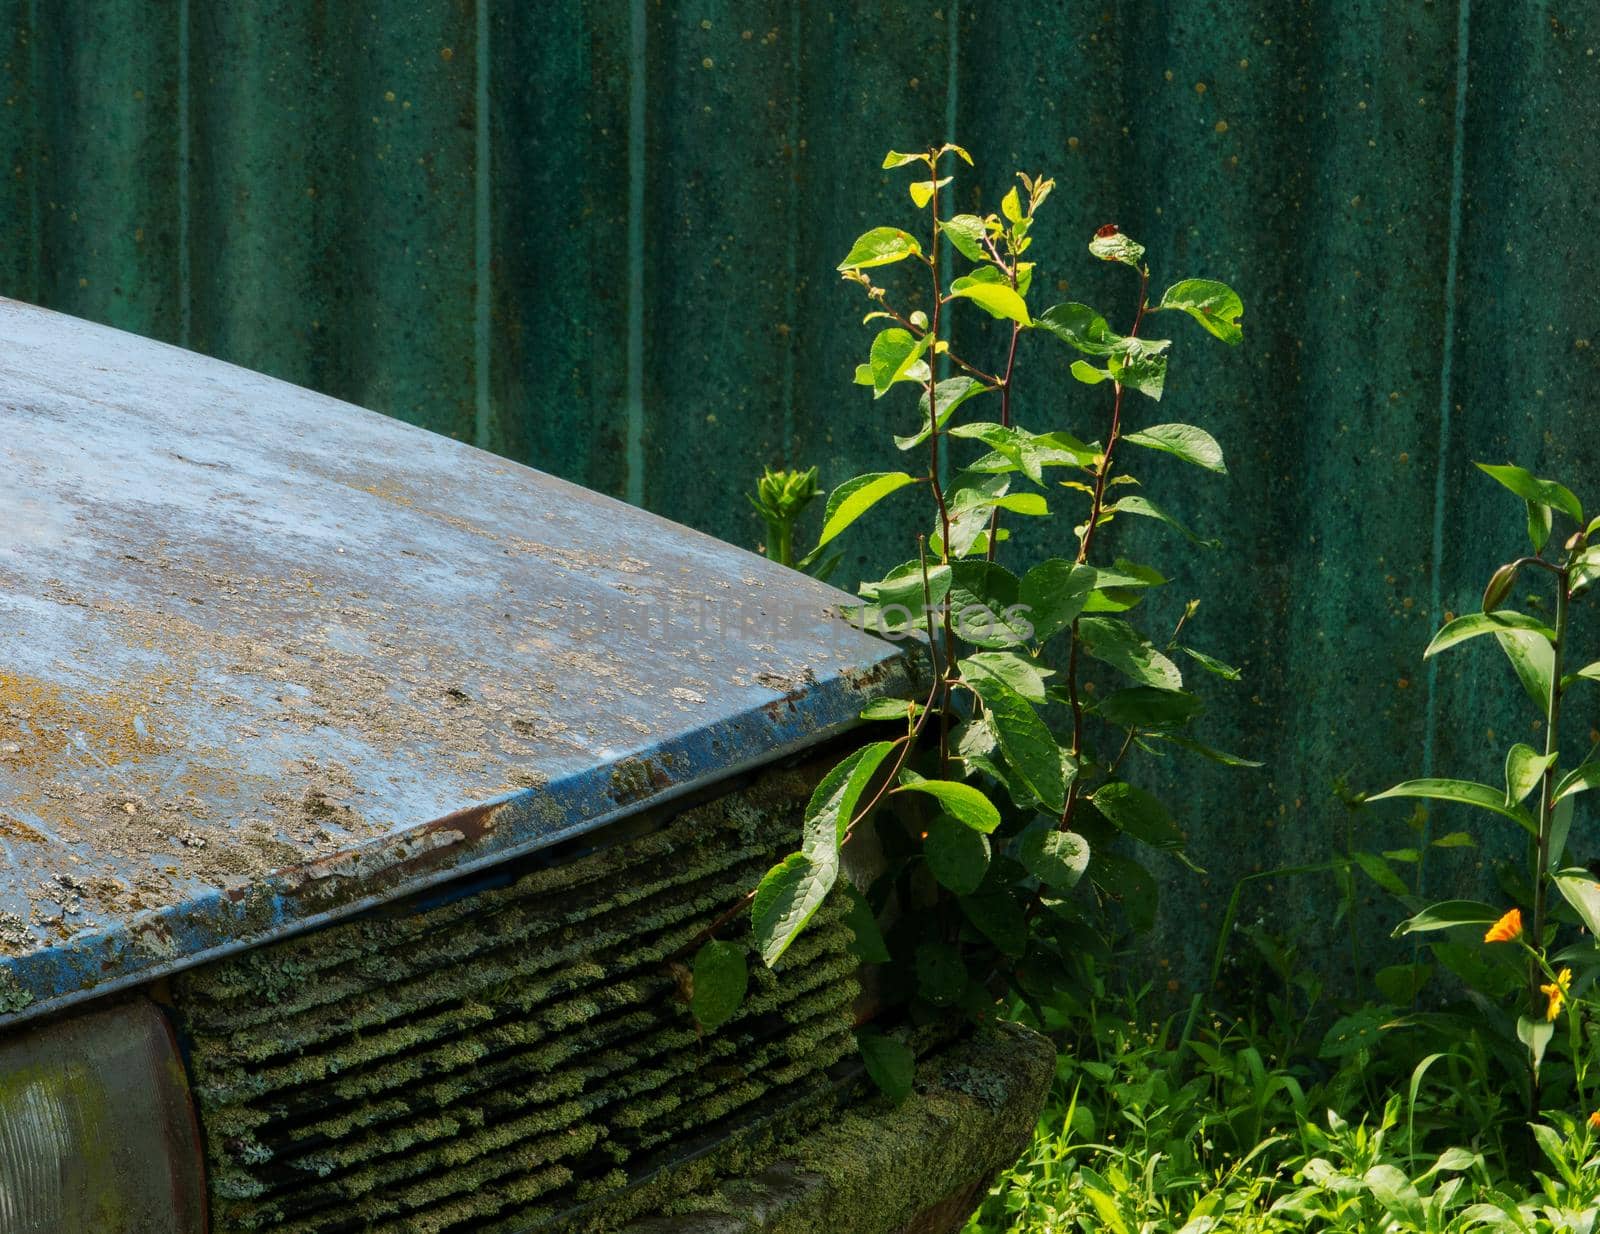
[{"x": 1216, "y": 306}]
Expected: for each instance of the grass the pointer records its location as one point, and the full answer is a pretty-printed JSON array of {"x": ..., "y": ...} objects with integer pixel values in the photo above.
[{"x": 1203, "y": 1124}]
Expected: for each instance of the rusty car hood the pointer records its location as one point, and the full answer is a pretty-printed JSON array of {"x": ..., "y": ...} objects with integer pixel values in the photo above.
[{"x": 267, "y": 659}]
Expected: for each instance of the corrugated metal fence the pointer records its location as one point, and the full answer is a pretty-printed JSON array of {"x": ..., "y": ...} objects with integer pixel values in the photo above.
[{"x": 599, "y": 237}]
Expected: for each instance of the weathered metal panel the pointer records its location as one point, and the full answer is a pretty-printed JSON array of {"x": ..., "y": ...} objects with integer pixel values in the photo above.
[
  {"x": 1414, "y": 260},
  {"x": 266, "y": 659}
]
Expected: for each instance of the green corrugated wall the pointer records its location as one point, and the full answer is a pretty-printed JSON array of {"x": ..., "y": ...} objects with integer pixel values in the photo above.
[{"x": 599, "y": 237}]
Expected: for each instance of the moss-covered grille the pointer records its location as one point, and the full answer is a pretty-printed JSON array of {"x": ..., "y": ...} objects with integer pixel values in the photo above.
[{"x": 488, "y": 1063}]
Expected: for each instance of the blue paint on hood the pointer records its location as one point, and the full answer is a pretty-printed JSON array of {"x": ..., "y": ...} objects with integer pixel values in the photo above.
[{"x": 267, "y": 659}]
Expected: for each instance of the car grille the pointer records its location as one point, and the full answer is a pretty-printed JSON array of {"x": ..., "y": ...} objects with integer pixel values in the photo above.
[{"x": 493, "y": 1062}]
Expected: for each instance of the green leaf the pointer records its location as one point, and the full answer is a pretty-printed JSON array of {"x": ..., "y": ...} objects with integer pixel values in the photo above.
[
  {"x": 1127, "y": 882},
  {"x": 1216, "y": 306},
  {"x": 1143, "y": 367},
  {"x": 1185, "y": 441},
  {"x": 883, "y": 709},
  {"x": 720, "y": 982},
  {"x": 1011, "y": 205},
  {"x": 922, "y": 191},
  {"x": 1121, "y": 587},
  {"x": 879, "y": 247},
  {"x": 1525, "y": 767},
  {"x": 941, "y": 976},
  {"x": 869, "y": 946},
  {"x": 966, "y": 234},
  {"x": 1455, "y": 839},
  {"x": 1534, "y": 660},
  {"x": 895, "y": 159},
  {"x": 1019, "y": 450},
  {"x": 905, "y": 586},
  {"x": 999, "y": 918},
  {"x": 1138, "y": 813},
  {"x": 1205, "y": 751},
  {"x": 983, "y": 597},
  {"x": 1539, "y": 524},
  {"x": 1115, "y": 642},
  {"x": 1535, "y": 1034},
  {"x": 950, "y": 393},
  {"x": 1466, "y": 792},
  {"x": 1579, "y": 889},
  {"x": 966, "y": 804},
  {"x": 1081, "y": 327},
  {"x": 1112, "y": 245},
  {"x": 1147, "y": 707},
  {"x": 1448, "y": 914},
  {"x": 854, "y": 498},
  {"x": 1015, "y": 445},
  {"x": 834, "y": 800},
  {"x": 1474, "y": 624},
  {"x": 1397, "y": 1193},
  {"x": 786, "y": 899},
  {"x": 894, "y": 357},
  {"x": 1585, "y": 569},
  {"x": 1143, "y": 506},
  {"x": 1055, "y": 592},
  {"x": 1401, "y": 983},
  {"x": 1088, "y": 374},
  {"x": 1589, "y": 672},
  {"x": 1025, "y": 740},
  {"x": 1579, "y": 780},
  {"x": 1057, "y": 859},
  {"x": 957, "y": 855},
  {"x": 1377, "y": 869},
  {"x": 996, "y": 299},
  {"x": 1530, "y": 488},
  {"x": 994, "y": 274},
  {"x": 890, "y": 1063},
  {"x": 1022, "y": 673},
  {"x": 1211, "y": 664}
]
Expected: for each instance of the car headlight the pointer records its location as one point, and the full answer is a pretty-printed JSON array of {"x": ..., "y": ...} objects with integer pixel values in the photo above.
[{"x": 97, "y": 1134}]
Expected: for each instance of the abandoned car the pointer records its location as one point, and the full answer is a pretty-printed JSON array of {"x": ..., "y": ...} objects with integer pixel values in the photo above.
[{"x": 358, "y": 789}]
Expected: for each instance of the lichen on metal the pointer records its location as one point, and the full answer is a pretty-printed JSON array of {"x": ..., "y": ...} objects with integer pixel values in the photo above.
[
  {"x": 502, "y": 1058},
  {"x": 267, "y": 659}
]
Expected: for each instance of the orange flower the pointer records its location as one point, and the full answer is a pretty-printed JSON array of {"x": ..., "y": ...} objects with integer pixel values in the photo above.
[
  {"x": 1556, "y": 992},
  {"x": 1507, "y": 930},
  {"x": 1594, "y": 1120}
]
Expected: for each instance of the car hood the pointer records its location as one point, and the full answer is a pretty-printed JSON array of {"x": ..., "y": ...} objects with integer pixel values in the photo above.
[{"x": 267, "y": 659}]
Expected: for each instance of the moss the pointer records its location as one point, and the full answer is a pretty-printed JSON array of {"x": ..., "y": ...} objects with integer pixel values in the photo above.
[
  {"x": 495, "y": 1060},
  {"x": 875, "y": 1168},
  {"x": 14, "y": 997}
]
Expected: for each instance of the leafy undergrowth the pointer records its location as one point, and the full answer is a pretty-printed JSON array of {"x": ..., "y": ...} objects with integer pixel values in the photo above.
[{"x": 1201, "y": 1124}]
